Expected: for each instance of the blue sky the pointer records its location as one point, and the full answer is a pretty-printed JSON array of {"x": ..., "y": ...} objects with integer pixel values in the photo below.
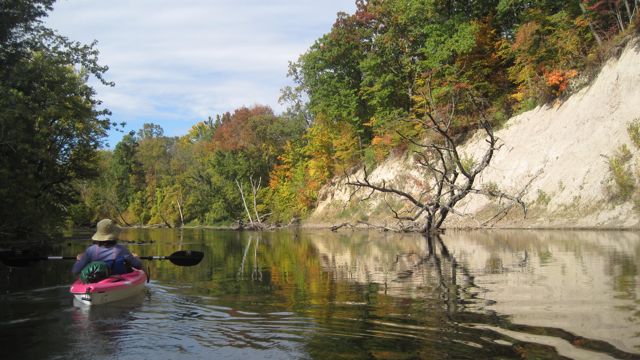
[{"x": 176, "y": 62}]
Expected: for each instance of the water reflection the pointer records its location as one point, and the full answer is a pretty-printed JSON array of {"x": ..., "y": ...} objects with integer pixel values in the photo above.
[
  {"x": 405, "y": 267},
  {"x": 585, "y": 283},
  {"x": 319, "y": 295},
  {"x": 256, "y": 273}
]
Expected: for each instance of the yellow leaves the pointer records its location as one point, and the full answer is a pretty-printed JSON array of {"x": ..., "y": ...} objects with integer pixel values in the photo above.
[
  {"x": 372, "y": 122},
  {"x": 346, "y": 146},
  {"x": 519, "y": 96},
  {"x": 330, "y": 149},
  {"x": 316, "y": 168},
  {"x": 385, "y": 139}
]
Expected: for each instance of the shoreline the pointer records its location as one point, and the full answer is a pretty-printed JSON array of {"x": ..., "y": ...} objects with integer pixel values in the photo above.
[{"x": 379, "y": 227}]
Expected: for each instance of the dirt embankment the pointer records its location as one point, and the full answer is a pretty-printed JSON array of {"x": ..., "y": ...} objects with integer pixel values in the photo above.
[{"x": 559, "y": 154}]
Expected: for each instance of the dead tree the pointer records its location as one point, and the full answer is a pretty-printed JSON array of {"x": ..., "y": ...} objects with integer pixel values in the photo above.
[
  {"x": 254, "y": 222},
  {"x": 449, "y": 176}
]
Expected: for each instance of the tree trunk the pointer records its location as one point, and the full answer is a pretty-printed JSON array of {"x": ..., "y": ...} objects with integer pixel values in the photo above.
[
  {"x": 181, "y": 214},
  {"x": 618, "y": 15},
  {"x": 629, "y": 13},
  {"x": 593, "y": 30},
  {"x": 165, "y": 221},
  {"x": 244, "y": 203},
  {"x": 254, "y": 190},
  {"x": 123, "y": 220}
]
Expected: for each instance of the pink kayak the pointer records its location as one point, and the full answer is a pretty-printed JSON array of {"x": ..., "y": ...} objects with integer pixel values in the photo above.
[{"x": 113, "y": 288}]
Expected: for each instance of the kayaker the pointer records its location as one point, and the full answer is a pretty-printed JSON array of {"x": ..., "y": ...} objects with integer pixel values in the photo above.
[{"x": 106, "y": 248}]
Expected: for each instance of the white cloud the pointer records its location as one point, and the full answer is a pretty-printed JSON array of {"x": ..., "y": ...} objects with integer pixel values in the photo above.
[{"x": 176, "y": 62}]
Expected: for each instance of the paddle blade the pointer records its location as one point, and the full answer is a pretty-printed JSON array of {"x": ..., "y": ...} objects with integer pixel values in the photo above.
[{"x": 186, "y": 257}]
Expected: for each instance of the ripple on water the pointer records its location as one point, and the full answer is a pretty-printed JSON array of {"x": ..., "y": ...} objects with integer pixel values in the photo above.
[
  {"x": 197, "y": 325},
  {"x": 350, "y": 296}
]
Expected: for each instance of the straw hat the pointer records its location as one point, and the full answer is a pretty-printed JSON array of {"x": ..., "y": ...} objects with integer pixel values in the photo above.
[{"x": 106, "y": 230}]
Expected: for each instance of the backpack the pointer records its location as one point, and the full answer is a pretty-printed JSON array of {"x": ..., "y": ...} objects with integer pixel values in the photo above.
[{"x": 94, "y": 272}]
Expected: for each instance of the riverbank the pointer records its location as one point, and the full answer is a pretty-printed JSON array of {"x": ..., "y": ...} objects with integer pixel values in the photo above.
[{"x": 574, "y": 163}]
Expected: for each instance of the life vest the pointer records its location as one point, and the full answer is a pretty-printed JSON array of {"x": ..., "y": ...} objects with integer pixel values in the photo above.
[{"x": 119, "y": 265}]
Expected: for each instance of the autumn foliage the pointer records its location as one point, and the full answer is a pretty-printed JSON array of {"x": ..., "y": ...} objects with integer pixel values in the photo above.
[{"x": 358, "y": 92}]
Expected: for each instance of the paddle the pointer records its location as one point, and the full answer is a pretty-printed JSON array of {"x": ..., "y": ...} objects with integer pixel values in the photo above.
[
  {"x": 25, "y": 258},
  {"x": 180, "y": 258}
]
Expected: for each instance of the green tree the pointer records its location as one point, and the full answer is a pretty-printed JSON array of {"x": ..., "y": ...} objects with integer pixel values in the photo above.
[
  {"x": 51, "y": 123},
  {"x": 329, "y": 72},
  {"x": 128, "y": 175}
]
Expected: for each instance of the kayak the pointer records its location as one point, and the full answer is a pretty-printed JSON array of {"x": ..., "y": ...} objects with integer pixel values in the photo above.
[{"x": 113, "y": 288}]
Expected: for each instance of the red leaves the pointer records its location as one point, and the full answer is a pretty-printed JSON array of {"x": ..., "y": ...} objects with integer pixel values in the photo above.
[{"x": 235, "y": 132}]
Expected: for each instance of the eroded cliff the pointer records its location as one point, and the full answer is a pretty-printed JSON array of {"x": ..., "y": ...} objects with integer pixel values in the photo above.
[{"x": 558, "y": 156}]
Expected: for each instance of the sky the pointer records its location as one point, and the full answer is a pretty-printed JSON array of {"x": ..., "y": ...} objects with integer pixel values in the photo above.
[{"x": 175, "y": 63}]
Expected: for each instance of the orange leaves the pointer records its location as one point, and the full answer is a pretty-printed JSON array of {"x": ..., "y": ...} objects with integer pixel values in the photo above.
[
  {"x": 526, "y": 35},
  {"x": 542, "y": 50},
  {"x": 554, "y": 78},
  {"x": 382, "y": 140},
  {"x": 279, "y": 174},
  {"x": 382, "y": 145},
  {"x": 558, "y": 80}
]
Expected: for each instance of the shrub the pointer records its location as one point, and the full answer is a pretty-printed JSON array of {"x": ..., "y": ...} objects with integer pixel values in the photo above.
[
  {"x": 491, "y": 189},
  {"x": 621, "y": 174},
  {"x": 633, "y": 129},
  {"x": 543, "y": 198}
]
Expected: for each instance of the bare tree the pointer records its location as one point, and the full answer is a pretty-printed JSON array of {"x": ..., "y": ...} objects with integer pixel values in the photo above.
[
  {"x": 449, "y": 175},
  {"x": 254, "y": 222},
  {"x": 244, "y": 203},
  {"x": 180, "y": 212}
]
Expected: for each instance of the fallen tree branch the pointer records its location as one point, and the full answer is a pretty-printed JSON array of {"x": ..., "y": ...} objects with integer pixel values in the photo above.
[{"x": 336, "y": 227}]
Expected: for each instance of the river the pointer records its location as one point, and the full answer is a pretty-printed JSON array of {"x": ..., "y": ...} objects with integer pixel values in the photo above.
[{"x": 346, "y": 295}]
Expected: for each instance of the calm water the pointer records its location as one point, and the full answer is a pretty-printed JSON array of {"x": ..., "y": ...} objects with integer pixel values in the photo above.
[{"x": 346, "y": 295}]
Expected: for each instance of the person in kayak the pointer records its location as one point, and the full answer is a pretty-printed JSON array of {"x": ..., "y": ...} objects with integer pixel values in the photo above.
[{"x": 106, "y": 248}]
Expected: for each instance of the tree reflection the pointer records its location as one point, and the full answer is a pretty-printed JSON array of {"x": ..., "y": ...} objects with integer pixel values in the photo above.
[
  {"x": 400, "y": 289},
  {"x": 368, "y": 295},
  {"x": 256, "y": 273},
  {"x": 416, "y": 267}
]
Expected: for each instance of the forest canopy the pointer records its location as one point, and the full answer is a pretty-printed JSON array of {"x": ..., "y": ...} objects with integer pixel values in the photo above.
[{"x": 356, "y": 90}]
